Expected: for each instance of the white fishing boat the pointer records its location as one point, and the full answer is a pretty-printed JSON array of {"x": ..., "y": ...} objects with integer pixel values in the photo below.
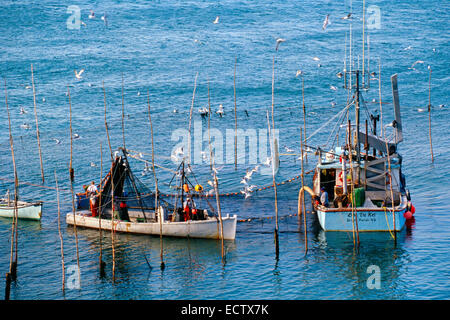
[
  {"x": 208, "y": 228},
  {"x": 362, "y": 191},
  {"x": 134, "y": 209},
  {"x": 25, "y": 210}
]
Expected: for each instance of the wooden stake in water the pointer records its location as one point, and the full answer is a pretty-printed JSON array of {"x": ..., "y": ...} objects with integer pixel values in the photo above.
[
  {"x": 273, "y": 162},
  {"x": 72, "y": 178},
  {"x": 37, "y": 125},
  {"x": 216, "y": 181},
  {"x": 160, "y": 214},
  {"x": 60, "y": 235},
  {"x": 106, "y": 123},
  {"x": 12, "y": 274},
  {"x": 303, "y": 200},
  {"x": 304, "y": 116},
  {"x": 429, "y": 114},
  {"x": 235, "y": 117},
  {"x": 100, "y": 231},
  {"x": 113, "y": 249}
]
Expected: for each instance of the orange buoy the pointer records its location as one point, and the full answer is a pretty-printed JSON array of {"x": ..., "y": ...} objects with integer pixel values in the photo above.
[{"x": 185, "y": 187}]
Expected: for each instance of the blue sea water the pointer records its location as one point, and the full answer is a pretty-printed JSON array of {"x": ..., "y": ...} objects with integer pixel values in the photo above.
[{"x": 152, "y": 44}]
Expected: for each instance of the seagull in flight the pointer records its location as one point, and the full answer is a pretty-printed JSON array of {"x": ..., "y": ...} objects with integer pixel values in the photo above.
[
  {"x": 22, "y": 110},
  {"x": 78, "y": 74},
  {"x": 279, "y": 40},
  {"x": 316, "y": 59},
  {"x": 299, "y": 73},
  {"x": 56, "y": 140},
  {"x": 217, "y": 20},
  {"x": 417, "y": 62},
  {"x": 326, "y": 22},
  {"x": 333, "y": 88}
]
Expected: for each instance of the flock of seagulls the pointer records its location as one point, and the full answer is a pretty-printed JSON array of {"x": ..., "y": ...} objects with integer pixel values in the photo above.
[
  {"x": 247, "y": 190},
  {"x": 327, "y": 22},
  {"x": 203, "y": 111}
]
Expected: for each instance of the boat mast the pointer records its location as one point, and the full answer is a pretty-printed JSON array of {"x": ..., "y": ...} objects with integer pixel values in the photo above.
[
  {"x": 358, "y": 150},
  {"x": 182, "y": 183}
]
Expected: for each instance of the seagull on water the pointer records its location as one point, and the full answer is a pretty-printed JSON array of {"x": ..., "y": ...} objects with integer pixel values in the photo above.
[
  {"x": 220, "y": 112},
  {"x": 333, "y": 88},
  {"x": 326, "y": 22},
  {"x": 339, "y": 74},
  {"x": 299, "y": 73},
  {"x": 217, "y": 20},
  {"x": 279, "y": 40},
  {"x": 289, "y": 150},
  {"x": 22, "y": 110},
  {"x": 78, "y": 74},
  {"x": 92, "y": 15},
  {"x": 76, "y": 136},
  {"x": 203, "y": 111},
  {"x": 105, "y": 19},
  {"x": 25, "y": 126}
]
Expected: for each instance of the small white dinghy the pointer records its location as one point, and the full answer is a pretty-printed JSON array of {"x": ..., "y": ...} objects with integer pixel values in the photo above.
[{"x": 25, "y": 210}]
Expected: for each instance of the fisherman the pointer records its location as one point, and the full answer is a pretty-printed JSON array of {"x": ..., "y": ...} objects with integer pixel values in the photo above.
[
  {"x": 187, "y": 209},
  {"x": 324, "y": 197},
  {"x": 123, "y": 212},
  {"x": 92, "y": 194}
]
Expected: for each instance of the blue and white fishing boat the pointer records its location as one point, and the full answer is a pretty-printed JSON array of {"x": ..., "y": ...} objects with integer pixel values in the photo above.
[{"x": 362, "y": 191}]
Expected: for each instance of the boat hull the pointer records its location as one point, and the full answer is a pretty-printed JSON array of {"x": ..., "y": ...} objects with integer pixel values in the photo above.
[
  {"x": 368, "y": 219},
  {"x": 30, "y": 211},
  {"x": 209, "y": 229}
]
